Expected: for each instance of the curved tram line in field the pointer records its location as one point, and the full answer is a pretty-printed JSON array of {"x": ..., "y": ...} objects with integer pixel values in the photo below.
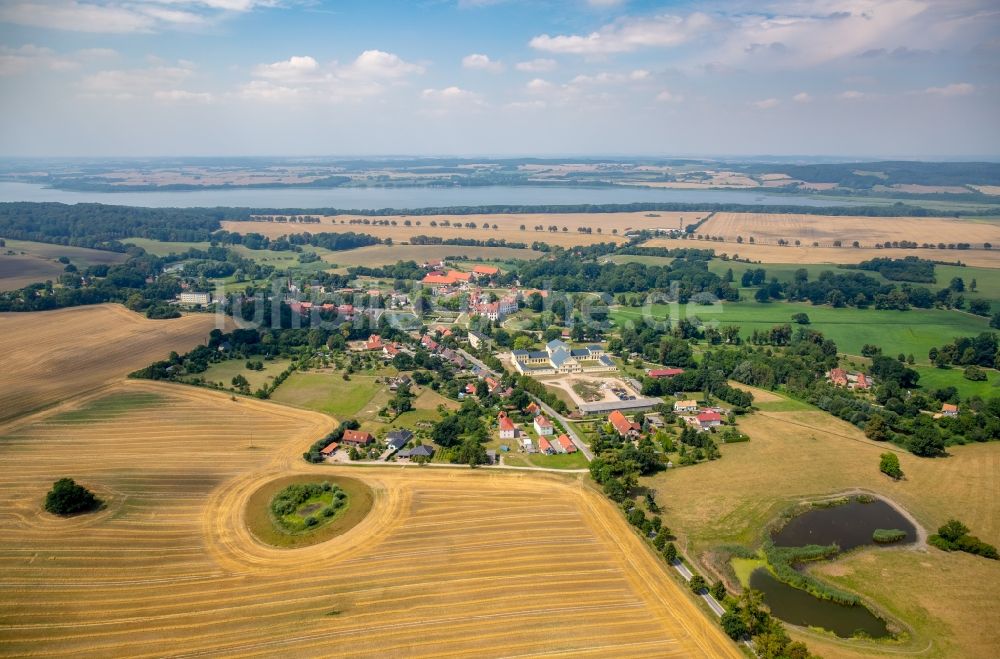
[{"x": 447, "y": 562}]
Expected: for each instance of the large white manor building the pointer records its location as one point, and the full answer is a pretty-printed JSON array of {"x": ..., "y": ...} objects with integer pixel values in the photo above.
[{"x": 558, "y": 357}]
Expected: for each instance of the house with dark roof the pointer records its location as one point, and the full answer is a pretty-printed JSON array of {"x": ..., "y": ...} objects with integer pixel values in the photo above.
[
  {"x": 422, "y": 451},
  {"x": 397, "y": 439}
]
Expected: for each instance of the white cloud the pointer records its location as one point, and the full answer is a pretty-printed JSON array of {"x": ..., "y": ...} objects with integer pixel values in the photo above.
[
  {"x": 301, "y": 76},
  {"x": 766, "y": 104},
  {"x": 182, "y": 96},
  {"x": 452, "y": 95},
  {"x": 380, "y": 64},
  {"x": 667, "y": 96},
  {"x": 526, "y": 105},
  {"x": 802, "y": 97},
  {"x": 481, "y": 62},
  {"x": 851, "y": 95},
  {"x": 132, "y": 83},
  {"x": 627, "y": 35},
  {"x": 954, "y": 89},
  {"x": 539, "y": 65},
  {"x": 637, "y": 75},
  {"x": 539, "y": 85},
  {"x": 118, "y": 17},
  {"x": 297, "y": 67}
]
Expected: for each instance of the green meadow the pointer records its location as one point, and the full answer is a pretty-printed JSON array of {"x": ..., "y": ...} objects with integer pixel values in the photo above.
[{"x": 909, "y": 332}]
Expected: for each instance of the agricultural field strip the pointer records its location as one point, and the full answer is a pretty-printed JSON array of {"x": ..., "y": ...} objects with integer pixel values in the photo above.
[{"x": 471, "y": 569}]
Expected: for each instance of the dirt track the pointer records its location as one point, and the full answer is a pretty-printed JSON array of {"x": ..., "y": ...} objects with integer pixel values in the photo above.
[{"x": 449, "y": 562}]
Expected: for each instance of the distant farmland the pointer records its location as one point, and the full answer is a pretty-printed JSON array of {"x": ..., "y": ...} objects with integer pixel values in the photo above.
[
  {"x": 448, "y": 561},
  {"x": 769, "y": 228},
  {"x": 508, "y": 226},
  {"x": 376, "y": 255},
  {"x": 806, "y": 254}
]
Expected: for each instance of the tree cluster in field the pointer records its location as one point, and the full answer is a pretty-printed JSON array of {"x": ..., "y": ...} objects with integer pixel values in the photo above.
[
  {"x": 565, "y": 271},
  {"x": 910, "y": 268},
  {"x": 954, "y": 536},
  {"x": 982, "y": 350},
  {"x": 294, "y": 242},
  {"x": 746, "y": 618},
  {"x": 69, "y": 498},
  {"x": 856, "y": 289},
  {"x": 290, "y": 499}
]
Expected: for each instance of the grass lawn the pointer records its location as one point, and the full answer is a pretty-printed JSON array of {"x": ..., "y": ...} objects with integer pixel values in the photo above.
[
  {"x": 161, "y": 248},
  {"x": 932, "y": 378},
  {"x": 224, "y": 372},
  {"x": 557, "y": 461},
  {"x": 647, "y": 260},
  {"x": 263, "y": 526},
  {"x": 915, "y": 331},
  {"x": 328, "y": 392}
]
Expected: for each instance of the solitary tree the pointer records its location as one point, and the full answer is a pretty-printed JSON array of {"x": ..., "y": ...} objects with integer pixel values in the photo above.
[{"x": 67, "y": 498}]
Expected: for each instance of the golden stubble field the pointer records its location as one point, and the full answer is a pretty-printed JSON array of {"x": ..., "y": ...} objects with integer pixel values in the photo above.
[
  {"x": 807, "y": 254},
  {"x": 508, "y": 226},
  {"x": 945, "y": 598},
  {"x": 768, "y": 228},
  {"x": 450, "y": 562},
  {"x": 52, "y": 355}
]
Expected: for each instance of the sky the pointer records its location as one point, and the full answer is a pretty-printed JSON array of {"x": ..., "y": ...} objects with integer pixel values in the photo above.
[{"x": 855, "y": 78}]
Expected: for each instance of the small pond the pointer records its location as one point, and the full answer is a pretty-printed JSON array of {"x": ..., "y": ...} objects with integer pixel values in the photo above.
[
  {"x": 848, "y": 525},
  {"x": 801, "y": 608}
]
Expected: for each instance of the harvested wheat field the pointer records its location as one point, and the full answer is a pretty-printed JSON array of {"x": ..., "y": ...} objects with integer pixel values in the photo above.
[
  {"x": 508, "y": 226},
  {"x": 51, "y": 355},
  {"x": 806, "y": 253},
  {"x": 942, "y": 598},
  {"x": 768, "y": 228},
  {"x": 448, "y": 562}
]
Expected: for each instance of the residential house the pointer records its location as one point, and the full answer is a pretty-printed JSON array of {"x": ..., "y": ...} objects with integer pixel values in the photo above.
[
  {"x": 527, "y": 446},
  {"x": 709, "y": 419},
  {"x": 837, "y": 377},
  {"x": 542, "y": 426},
  {"x": 422, "y": 451},
  {"x": 947, "y": 409},
  {"x": 566, "y": 444},
  {"x": 686, "y": 406},
  {"x": 357, "y": 438},
  {"x": 508, "y": 430},
  {"x": 533, "y": 409},
  {"x": 374, "y": 342},
  {"x": 545, "y": 447},
  {"x": 195, "y": 298},
  {"x": 429, "y": 343},
  {"x": 449, "y": 278},
  {"x": 477, "y": 339},
  {"x": 622, "y": 425},
  {"x": 397, "y": 439}
]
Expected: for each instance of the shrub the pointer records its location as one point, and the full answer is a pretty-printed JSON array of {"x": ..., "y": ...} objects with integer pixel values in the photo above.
[
  {"x": 697, "y": 584},
  {"x": 68, "y": 498},
  {"x": 887, "y": 536},
  {"x": 889, "y": 465}
]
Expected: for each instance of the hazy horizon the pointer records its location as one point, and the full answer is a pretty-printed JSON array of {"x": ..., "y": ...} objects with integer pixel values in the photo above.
[{"x": 849, "y": 79}]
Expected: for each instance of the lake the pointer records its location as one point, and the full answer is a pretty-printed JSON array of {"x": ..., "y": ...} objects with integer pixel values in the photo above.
[
  {"x": 376, "y": 198},
  {"x": 801, "y": 608},
  {"x": 848, "y": 525}
]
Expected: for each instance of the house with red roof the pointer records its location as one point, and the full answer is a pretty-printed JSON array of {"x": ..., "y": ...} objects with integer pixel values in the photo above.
[
  {"x": 508, "y": 430},
  {"x": 542, "y": 426},
  {"x": 374, "y": 342},
  {"x": 545, "y": 447},
  {"x": 947, "y": 409},
  {"x": 485, "y": 271},
  {"x": 533, "y": 408},
  {"x": 622, "y": 425},
  {"x": 357, "y": 438},
  {"x": 709, "y": 419},
  {"x": 566, "y": 444},
  {"x": 329, "y": 449}
]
